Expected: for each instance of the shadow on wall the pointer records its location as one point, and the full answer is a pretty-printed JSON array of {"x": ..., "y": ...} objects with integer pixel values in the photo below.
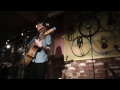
[{"x": 55, "y": 65}]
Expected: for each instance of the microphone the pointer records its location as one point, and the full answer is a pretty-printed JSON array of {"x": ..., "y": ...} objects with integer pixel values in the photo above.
[
  {"x": 117, "y": 47},
  {"x": 104, "y": 42},
  {"x": 31, "y": 31},
  {"x": 47, "y": 24}
]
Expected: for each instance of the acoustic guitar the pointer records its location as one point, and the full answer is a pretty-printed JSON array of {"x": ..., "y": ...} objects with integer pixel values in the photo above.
[{"x": 32, "y": 49}]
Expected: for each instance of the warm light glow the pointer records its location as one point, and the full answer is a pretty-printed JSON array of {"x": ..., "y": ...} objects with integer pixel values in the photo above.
[
  {"x": 21, "y": 34},
  {"x": 8, "y": 46},
  {"x": 36, "y": 26},
  {"x": 7, "y": 41},
  {"x": 59, "y": 78}
]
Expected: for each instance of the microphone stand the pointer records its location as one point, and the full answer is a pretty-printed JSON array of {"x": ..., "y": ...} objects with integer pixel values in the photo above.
[
  {"x": 1, "y": 58},
  {"x": 23, "y": 57},
  {"x": 25, "y": 37},
  {"x": 1, "y": 62},
  {"x": 92, "y": 52}
]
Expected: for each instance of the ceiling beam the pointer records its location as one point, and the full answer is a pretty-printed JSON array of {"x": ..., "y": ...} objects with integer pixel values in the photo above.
[
  {"x": 55, "y": 13},
  {"x": 28, "y": 15}
]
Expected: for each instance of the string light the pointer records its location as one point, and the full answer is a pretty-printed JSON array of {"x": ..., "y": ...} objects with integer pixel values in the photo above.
[{"x": 8, "y": 46}]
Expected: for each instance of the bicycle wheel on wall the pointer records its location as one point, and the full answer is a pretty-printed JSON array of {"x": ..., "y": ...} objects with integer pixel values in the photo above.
[
  {"x": 89, "y": 26},
  {"x": 70, "y": 32},
  {"x": 80, "y": 46},
  {"x": 109, "y": 21},
  {"x": 103, "y": 42}
]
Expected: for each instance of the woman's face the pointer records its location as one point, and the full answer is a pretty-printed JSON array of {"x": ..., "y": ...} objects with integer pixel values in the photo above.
[{"x": 40, "y": 28}]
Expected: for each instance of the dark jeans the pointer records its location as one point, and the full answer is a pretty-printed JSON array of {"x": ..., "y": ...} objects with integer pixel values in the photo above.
[{"x": 36, "y": 70}]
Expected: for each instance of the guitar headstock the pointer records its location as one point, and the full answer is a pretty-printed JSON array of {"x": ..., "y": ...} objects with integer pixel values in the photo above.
[{"x": 50, "y": 31}]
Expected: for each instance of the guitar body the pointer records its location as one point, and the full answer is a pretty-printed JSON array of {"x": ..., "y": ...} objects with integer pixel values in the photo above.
[
  {"x": 27, "y": 59},
  {"x": 29, "y": 55},
  {"x": 32, "y": 51}
]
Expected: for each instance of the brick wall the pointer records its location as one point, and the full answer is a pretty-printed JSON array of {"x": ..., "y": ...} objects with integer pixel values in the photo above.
[{"x": 83, "y": 69}]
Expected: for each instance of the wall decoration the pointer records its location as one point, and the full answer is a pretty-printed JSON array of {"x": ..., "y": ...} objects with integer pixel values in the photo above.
[
  {"x": 109, "y": 21},
  {"x": 89, "y": 26}
]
